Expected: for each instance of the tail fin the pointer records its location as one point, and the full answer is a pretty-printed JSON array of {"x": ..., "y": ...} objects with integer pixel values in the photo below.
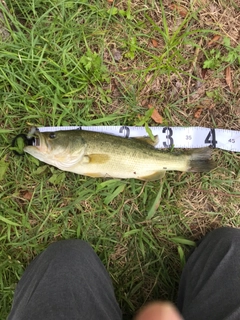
[{"x": 200, "y": 160}]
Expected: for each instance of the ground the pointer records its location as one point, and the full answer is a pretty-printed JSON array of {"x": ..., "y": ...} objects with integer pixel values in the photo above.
[{"x": 108, "y": 63}]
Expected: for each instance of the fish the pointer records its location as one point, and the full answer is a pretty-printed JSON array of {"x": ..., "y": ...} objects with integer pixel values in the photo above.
[{"x": 97, "y": 154}]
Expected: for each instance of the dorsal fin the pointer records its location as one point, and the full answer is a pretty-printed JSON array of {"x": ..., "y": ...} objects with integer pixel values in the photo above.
[{"x": 148, "y": 140}]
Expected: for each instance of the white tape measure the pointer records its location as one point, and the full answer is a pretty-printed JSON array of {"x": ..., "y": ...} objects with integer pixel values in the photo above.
[{"x": 179, "y": 137}]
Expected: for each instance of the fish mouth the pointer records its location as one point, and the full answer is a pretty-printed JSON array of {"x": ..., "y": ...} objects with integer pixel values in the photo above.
[
  {"x": 36, "y": 141},
  {"x": 40, "y": 142}
]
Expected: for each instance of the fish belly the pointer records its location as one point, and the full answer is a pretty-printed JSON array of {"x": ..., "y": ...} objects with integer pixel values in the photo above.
[{"x": 123, "y": 166}]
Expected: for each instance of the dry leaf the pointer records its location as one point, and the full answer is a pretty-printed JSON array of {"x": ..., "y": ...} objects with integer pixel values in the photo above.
[
  {"x": 155, "y": 115},
  {"x": 203, "y": 73},
  {"x": 154, "y": 43},
  {"x": 206, "y": 103},
  {"x": 181, "y": 10},
  {"x": 27, "y": 195},
  {"x": 229, "y": 78},
  {"x": 214, "y": 39},
  {"x": 198, "y": 113},
  {"x": 116, "y": 55}
]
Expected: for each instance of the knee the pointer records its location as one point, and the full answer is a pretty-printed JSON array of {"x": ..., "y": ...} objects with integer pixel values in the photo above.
[
  {"x": 224, "y": 235},
  {"x": 69, "y": 248}
]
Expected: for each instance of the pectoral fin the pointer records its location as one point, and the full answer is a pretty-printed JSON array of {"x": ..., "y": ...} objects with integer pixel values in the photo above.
[
  {"x": 149, "y": 140},
  {"x": 155, "y": 176},
  {"x": 96, "y": 158}
]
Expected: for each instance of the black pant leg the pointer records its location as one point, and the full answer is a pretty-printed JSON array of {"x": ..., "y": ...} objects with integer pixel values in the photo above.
[
  {"x": 210, "y": 282},
  {"x": 66, "y": 281}
]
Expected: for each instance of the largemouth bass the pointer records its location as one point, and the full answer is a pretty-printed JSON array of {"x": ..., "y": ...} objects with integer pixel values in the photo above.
[{"x": 97, "y": 154}]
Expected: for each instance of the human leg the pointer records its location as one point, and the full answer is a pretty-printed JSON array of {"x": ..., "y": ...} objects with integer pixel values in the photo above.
[
  {"x": 66, "y": 281},
  {"x": 210, "y": 282}
]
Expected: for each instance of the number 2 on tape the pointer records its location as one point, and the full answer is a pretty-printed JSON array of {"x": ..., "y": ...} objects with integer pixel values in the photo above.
[
  {"x": 169, "y": 138},
  {"x": 125, "y": 130}
]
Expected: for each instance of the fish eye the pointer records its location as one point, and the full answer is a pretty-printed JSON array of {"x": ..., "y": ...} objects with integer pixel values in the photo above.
[{"x": 52, "y": 135}]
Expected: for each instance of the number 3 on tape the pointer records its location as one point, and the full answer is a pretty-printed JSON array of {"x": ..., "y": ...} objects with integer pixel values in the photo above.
[
  {"x": 169, "y": 137},
  {"x": 211, "y": 138}
]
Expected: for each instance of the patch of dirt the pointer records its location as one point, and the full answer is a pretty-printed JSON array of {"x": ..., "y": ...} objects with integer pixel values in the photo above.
[{"x": 178, "y": 94}]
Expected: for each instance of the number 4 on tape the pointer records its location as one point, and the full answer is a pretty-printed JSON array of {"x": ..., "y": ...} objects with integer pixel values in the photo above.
[{"x": 211, "y": 138}]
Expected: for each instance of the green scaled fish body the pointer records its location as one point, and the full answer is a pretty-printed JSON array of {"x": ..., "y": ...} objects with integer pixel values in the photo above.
[{"x": 98, "y": 154}]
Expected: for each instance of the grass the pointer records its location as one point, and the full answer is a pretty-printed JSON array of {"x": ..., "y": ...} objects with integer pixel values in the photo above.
[{"x": 58, "y": 67}]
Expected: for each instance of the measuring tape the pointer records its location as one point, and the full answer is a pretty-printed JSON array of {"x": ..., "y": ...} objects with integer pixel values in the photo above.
[{"x": 179, "y": 137}]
